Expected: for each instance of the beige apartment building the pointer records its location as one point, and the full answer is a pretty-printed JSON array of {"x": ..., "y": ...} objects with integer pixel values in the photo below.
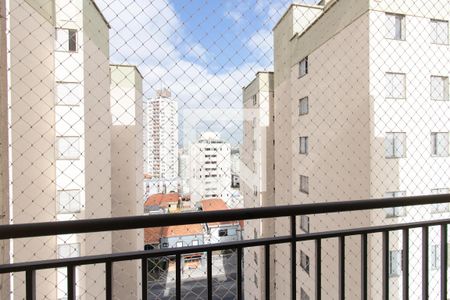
[
  {"x": 361, "y": 111},
  {"x": 257, "y": 175},
  {"x": 127, "y": 162},
  {"x": 60, "y": 140}
]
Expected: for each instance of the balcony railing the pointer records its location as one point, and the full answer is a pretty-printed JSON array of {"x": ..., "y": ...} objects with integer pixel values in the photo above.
[{"x": 123, "y": 223}]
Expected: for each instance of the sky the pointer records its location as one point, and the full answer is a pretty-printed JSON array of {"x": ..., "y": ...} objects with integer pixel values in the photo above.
[{"x": 204, "y": 51}]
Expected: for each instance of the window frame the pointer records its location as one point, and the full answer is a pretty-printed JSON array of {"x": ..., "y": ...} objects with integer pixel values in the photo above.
[
  {"x": 435, "y": 144},
  {"x": 59, "y": 47},
  {"x": 303, "y": 145},
  {"x": 389, "y": 80},
  {"x": 300, "y": 111},
  {"x": 304, "y": 223},
  {"x": 395, "y": 212},
  {"x": 446, "y": 90},
  {"x": 402, "y": 27},
  {"x": 304, "y": 184},
  {"x": 394, "y": 136},
  {"x": 399, "y": 255},
  {"x": 434, "y": 32},
  {"x": 305, "y": 262},
  {"x": 303, "y": 71}
]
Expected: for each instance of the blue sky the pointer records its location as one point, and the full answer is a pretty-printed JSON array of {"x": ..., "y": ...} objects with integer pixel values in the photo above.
[{"x": 205, "y": 51}]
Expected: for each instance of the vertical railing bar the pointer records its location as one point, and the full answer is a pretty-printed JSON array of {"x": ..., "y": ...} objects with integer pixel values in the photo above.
[
  {"x": 178, "y": 276},
  {"x": 144, "y": 278},
  {"x": 342, "y": 267},
  {"x": 30, "y": 276},
  {"x": 239, "y": 273},
  {"x": 444, "y": 256},
  {"x": 267, "y": 270},
  {"x": 71, "y": 282},
  {"x": 364, "y": 266},
  {"x": 293, "y": 259},
  {"x": 109, "y": 280},
  {"x": 318, "y": 269},
  {"x": 209, "y": 274},
  {"x": 405, "y": 271},
  {"x": 425, "y": 262},
  {"x": 385, "y": 251}
]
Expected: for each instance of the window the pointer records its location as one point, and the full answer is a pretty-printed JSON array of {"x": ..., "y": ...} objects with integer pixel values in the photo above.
[
  {"x": 395, "y": 212},
  {"x": 395, "y": 144},
  {"x": 68, "y": 148},
  {"x": 435, "y": 257},
  {"x": 68, "y": 93},
  {"x": 439, "y": 88},
  {"x": 303, "y": 67},
  {"x": 255, "y": 190},
  {"x": 231, "y": 231},
  {"x": 304, "y": 184},
  {"x": 254, "y": 100},
  {"x": 68, "y": 201},
  {"x": 439, "y": 143},
  {"x": 396, "y": 27},
  {"x": 395, "y": 85},
  {"x": 304, "y": 261},
  {"x": 395, "y": 263},
  {"x": 303, "y": 107},
  {"x": 195, "y": 243},
  {"x": 223, "y": 232},
  {"x": 303, "y": 145},
  {"x": 66, "y": 40},
  {"x": 303, "y": 295},
  {"x": 304, "y": 223},
  {"x": 439, "y": 207},
  {"x": 439, "y": 32}
]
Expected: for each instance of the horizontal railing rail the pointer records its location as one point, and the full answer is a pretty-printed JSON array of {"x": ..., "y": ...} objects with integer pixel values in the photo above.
[
  {"x": 136, "y": 222},
  {"x": 291, "y": 211}
]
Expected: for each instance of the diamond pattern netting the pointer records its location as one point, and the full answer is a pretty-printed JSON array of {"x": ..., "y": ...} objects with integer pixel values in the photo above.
[{"x": 120, "y": 107}]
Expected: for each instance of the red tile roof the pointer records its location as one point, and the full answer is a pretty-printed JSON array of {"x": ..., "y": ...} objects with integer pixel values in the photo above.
[
  {"x": 216, "y": 204},
  {"x": 162, "y": 199},
  {"x": 182, "y": 230},
  {"x": 152, "y": 235}
]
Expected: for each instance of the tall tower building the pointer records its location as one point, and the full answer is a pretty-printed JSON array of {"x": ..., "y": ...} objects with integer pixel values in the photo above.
[
  {"x": 210, "y": 168},
  {"x": 161, "y": 137},
  {"x": 59, "y": 135}
]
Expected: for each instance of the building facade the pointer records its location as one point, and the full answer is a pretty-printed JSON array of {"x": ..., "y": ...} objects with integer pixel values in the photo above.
[
  {"x": 257, "y": 175},
  {"x": 56, "y": 165},
  {"x": 127, "y": 174},
  {"x": 361, "y": 111},
  {"x": 209, "y": 166}
]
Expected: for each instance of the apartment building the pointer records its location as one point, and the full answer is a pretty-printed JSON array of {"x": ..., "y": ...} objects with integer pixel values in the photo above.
[
  {"x": 209, "y": 166},
  {"x": 161, "y": 137},
  {"x": 257, "y": 174},
  {"x": 4, "y": 176},
  {"x": 361, "y": 111},
  {"x": 127, "y": 162},
  {"x": 59, "y": 159}
]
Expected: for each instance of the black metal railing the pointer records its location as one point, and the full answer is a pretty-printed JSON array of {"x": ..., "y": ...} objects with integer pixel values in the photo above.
[{"x": 292, "y": 211}]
